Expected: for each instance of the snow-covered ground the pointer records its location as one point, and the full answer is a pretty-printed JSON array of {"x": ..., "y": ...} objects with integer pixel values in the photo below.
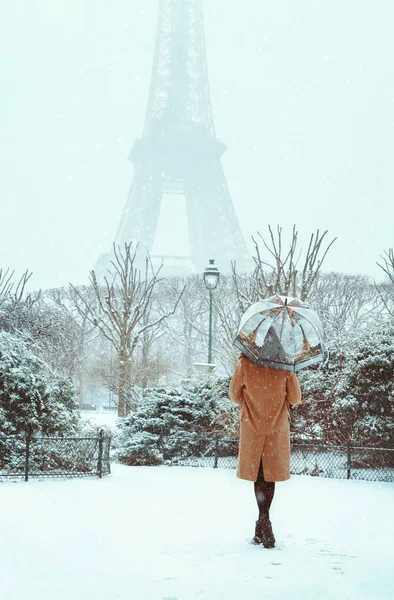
[
  {"x": 100, "y": 418},
  {"x": 178, "y": 533}
]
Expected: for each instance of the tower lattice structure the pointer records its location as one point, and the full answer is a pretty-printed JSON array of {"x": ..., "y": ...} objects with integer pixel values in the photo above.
[{"x": 178, "y": 152}]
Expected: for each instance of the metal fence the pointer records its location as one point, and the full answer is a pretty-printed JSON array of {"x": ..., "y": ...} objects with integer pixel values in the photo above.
[
  {"x": 319, "y": 460},
  {"x": 55, "y": 457}
]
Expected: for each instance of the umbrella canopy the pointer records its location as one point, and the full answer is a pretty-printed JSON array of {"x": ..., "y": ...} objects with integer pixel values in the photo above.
[{"x": 282, "y": 333}]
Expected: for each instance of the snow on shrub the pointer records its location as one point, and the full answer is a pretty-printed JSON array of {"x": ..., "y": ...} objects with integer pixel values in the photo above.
[
  {"x": 33, "y": 401},
  {"x": 172, "y": 423},
  {"x": 141, "y": 450},
  {"x": 352, "y": 397}
]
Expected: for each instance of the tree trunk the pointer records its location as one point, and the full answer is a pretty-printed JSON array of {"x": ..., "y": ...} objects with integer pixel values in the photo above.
[
  {"x": 145, "y": 361},
  {"x": 81, "y": 386},
  {"x": 124, "y": 369}
]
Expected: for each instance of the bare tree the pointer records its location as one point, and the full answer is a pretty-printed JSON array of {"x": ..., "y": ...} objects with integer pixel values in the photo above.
[
  {"x": 279, "y": 271},
  {"x": 123, "y": 299},
  {"x": 344, "y": 303},
  {"x": 386, "y": 290},
  {"x": 188, "y": 331},
  {"x": 77, "y": 334},
  {"x": 7, "y": 285},
  {"x": 21, "y": 312},
  {"x": 45, "y": 321},
  {"x": 16, "y": 306},
  {"x": 185, "y": 332},
  {"x": 150, "y": 363},
  {"x": 228, "y": 314}
]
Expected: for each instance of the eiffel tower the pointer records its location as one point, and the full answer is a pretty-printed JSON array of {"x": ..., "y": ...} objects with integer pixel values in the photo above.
[{"x": 178, "y": 152}]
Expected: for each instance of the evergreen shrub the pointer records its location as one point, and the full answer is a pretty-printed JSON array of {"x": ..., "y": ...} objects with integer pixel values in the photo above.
[
  {"x": 175, "y": 423},
  {"x": 33, "y": 402}
]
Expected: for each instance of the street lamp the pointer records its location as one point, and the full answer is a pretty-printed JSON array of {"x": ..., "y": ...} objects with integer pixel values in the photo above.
[{"x": 211, "y": 279}]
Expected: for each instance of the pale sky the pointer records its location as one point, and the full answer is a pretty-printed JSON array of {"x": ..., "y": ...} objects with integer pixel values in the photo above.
[{"x": 302, "y": 93}]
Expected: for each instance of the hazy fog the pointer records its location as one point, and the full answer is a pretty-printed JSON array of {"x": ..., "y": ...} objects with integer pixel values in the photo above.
[{"x": 302, "y": 92}]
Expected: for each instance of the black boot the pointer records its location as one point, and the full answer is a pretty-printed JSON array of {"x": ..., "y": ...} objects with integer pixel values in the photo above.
[{"x": 263, "y": 532}]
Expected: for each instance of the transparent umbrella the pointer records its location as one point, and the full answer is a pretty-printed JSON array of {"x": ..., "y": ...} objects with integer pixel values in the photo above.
[{"x": 282, "y": 333}]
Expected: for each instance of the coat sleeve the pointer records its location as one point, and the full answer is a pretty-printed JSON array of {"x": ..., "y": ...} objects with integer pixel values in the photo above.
[
  {"x": 236, "y": 384},
  {"x": 293, "y": 390}
]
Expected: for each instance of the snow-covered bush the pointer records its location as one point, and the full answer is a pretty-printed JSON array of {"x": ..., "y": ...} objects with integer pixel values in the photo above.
[
  {"x": 32, "y": 399},
  {"x": 351, "y": 399},
  {"x": 141, "y": 449},
  {"x": 170, "y": 423}
]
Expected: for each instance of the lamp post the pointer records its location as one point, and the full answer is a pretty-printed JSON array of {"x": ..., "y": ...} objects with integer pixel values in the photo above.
[{"x": 211, "y": 279}]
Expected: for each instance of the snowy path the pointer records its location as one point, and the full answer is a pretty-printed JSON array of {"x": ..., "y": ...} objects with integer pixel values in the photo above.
[{"x": 173, "y": 533}]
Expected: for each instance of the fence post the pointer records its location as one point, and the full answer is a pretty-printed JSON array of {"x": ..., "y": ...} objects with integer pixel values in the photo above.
[
  {"x": 100, "y": 455},
  {"x": 27, "y": 455},
  {"x": 349, "y": 460},
  {"x": 108, "y": 454},
  {"x": 215, "y": 465}
]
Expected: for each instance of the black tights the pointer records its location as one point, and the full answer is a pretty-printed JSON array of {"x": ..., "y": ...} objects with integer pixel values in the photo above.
[{"x": 264, "y": 492}]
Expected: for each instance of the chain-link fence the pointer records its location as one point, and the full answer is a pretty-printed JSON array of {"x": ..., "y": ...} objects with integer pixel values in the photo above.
[
  {"x": 62, "y": 457},
  {"x": 342, "y": 462}
]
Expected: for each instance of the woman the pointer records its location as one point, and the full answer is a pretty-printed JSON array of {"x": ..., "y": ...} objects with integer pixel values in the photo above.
[{"x": 264, "y": 444}]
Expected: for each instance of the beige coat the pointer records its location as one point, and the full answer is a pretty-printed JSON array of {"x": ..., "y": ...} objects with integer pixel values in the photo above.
[{"x": 264, "y": 394}]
